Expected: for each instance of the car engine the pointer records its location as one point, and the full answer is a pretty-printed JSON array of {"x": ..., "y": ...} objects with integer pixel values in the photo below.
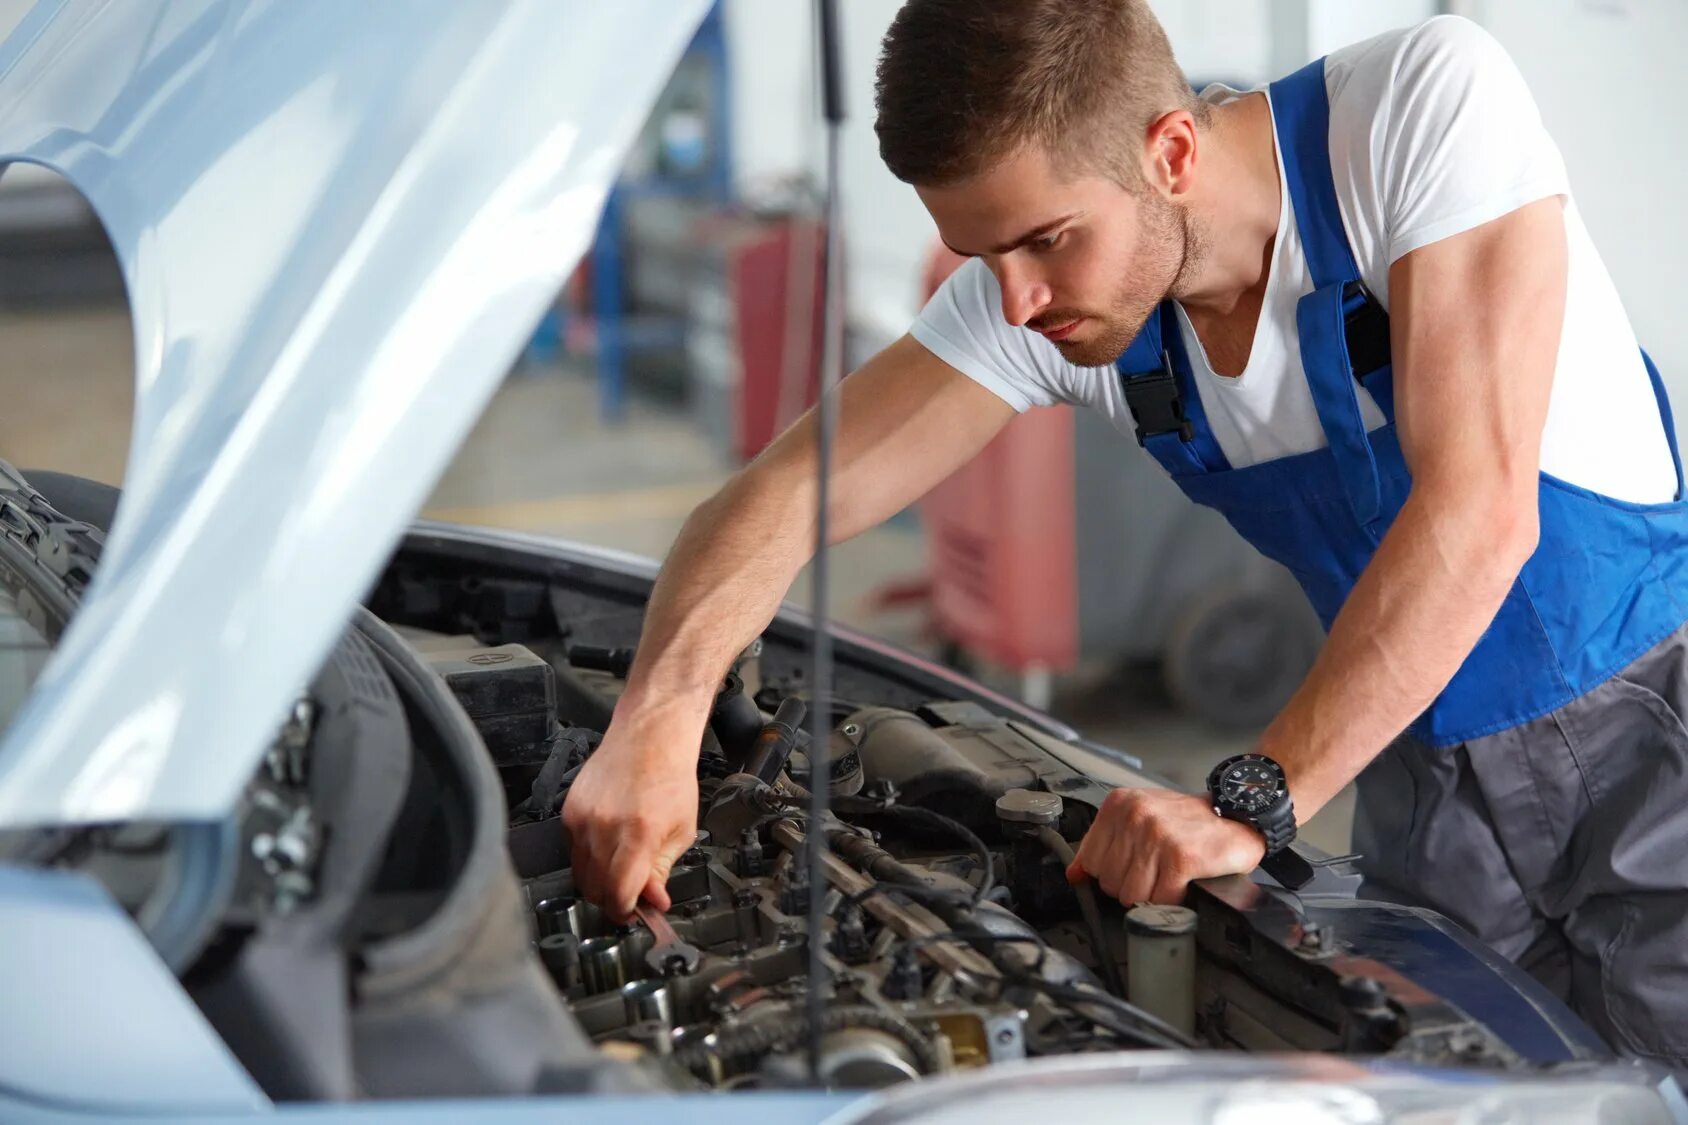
[{"x": 951, "y": 937}]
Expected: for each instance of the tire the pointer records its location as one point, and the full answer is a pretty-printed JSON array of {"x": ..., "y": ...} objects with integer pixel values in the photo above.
[{"x": 1235, "y": 655}]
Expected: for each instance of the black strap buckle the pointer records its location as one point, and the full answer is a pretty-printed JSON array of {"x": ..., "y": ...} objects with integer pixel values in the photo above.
[
  {"x": 1367, "y": 332},
  {"x": 1155, "y": 404}
]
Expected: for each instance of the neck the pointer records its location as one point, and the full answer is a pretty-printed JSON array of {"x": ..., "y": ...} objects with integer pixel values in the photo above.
[{"x": 1233, "y": 209}]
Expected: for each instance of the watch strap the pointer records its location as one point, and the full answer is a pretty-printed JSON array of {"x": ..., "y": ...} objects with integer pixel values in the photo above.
[
  {"x": 1278, "y": 827},
  {"x": 1290, "y": 868}
]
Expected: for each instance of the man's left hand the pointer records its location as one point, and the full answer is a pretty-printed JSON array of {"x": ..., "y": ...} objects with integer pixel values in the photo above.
[{"x": 1147, "y": 844}]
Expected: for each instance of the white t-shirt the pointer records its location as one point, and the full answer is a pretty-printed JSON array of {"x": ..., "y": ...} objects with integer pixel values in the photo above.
[{"x": 1432, "y": 132}]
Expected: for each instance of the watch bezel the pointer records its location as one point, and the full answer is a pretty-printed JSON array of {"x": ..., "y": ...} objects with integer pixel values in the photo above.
[{"x": 1228, "y": 806}]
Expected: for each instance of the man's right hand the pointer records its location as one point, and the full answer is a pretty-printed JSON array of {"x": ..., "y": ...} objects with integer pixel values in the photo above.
[
  {"x": 630, "y": 813},
  {"x": 906, "y": 421}
]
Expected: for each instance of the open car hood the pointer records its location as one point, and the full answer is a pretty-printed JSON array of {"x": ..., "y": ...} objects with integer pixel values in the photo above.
[{"x": 337, "y": 222}]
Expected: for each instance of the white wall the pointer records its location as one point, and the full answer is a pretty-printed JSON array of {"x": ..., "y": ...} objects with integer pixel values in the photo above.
[
  {"x": 1226, "y": 41},
  {"x": 1337, "y": 23},
  {"x": 1606, "y": 76}
]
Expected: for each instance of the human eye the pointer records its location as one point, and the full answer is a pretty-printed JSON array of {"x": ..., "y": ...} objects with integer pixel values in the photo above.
[{"x": 1048, "y": 242}]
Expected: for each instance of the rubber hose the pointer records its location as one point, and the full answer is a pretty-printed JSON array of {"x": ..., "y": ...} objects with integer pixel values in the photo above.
[
  {"x": 736, "y": 721},
  {"x": 1088, "y": 906},
  {"x": 790, "y": 1030},
  {"x": 778, "y": 737}
]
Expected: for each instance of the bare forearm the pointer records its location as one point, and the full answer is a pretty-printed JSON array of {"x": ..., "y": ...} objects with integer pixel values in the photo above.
[
  {"x": 733, "y": 561},
  {"x": 1434, "y": 585},
  {"x": 906, "y": 421}
]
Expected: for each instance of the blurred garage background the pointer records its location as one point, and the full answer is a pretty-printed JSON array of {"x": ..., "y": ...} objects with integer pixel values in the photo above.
[{"x": 1058, "y": 566}]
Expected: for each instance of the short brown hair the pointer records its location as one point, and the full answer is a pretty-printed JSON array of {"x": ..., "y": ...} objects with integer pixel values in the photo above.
[{"x": 963, "y": 83}]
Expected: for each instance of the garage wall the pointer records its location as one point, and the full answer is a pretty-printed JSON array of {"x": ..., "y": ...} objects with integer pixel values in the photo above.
[{"x": 1606, "y": 74}]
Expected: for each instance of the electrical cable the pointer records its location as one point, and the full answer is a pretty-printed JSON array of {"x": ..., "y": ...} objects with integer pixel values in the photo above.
[
  {"x": 1146, "y": 1025},
  {"x": 1087, "y": 906},
  {"x": 911, "y": 814}
]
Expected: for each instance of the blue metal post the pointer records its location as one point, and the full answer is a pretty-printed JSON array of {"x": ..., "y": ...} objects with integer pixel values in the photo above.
[{"x": 607, "y": 313}]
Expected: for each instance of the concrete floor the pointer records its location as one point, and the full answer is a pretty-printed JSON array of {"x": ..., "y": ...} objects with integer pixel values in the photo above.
[{"x": 539, "y": 460}]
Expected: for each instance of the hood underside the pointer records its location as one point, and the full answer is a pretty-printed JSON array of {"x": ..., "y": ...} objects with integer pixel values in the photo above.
[{"x": 337, "y": 224}]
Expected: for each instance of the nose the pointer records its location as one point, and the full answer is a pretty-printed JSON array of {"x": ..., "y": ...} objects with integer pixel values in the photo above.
[{"x": 1024, "y": 293}]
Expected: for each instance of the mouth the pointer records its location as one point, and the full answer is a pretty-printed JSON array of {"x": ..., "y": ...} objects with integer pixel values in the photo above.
[{"x": 1062, "y": 331}]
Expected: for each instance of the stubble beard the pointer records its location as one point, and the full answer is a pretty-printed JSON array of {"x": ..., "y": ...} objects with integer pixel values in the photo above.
[{"x": 1173, "y": 246}]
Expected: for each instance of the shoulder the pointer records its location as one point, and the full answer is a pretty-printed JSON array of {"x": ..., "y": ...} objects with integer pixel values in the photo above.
[
  {"x": 963, "y": 326},
  {"x": 1433, "y": 131},
  {"x": 1438, "y": 54}
]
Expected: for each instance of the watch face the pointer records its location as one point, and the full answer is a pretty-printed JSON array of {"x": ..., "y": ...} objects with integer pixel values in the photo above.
[{"x": 1251, "y": 785}]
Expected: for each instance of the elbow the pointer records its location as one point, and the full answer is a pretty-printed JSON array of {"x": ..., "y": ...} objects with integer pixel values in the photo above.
[
  {"x": 1492, "y": 529},
  {"x": 1506, "y": 527},
  {"x": 1511, "y": 509},
  {"x": 1518, "y": 523}
]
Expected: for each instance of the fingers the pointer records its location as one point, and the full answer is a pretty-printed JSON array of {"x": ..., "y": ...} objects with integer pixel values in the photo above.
[
  {"x": 655, "y": 890},
  {"x": 618, "y": 860},
  {"x": 1106, "y": 851},
  {"x": 1135, "y": 852},
  {"x": 603, "y": 857},
  {"x": 627, "y": 875},
  {"x": 639, "y": 868},
  {"x": 585, "y": 882},
  {"x": 1096, "y": 853},
  {"x": 580, "y": 853}
]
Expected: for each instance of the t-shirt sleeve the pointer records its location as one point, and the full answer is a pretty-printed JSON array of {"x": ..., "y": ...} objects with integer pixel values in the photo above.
[
  {"x": 962, "y": 325},
  {"x": 1464, "y": 142}
]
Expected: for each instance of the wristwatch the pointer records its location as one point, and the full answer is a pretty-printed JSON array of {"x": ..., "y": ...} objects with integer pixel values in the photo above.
[{"x": 1251, "y": 788}]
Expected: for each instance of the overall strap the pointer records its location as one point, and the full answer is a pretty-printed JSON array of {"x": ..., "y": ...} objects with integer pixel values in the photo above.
[
  {"x": 1161, "y": 395},
  {"x": 1327, "y": 317},
  {"x": 1301, "y": 111},
  {"x": 1663, "y": 398}
]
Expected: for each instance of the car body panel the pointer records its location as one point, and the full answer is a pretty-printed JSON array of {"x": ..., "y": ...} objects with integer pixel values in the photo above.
[
  {"x": 337, "y": 223},
  {"x": 1187, "y": 1087},
  {"x": 108, "y": 1028}
]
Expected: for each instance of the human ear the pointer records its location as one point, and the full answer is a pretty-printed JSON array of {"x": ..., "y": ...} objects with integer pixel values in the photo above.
[{"x": 1169, "y": 153}]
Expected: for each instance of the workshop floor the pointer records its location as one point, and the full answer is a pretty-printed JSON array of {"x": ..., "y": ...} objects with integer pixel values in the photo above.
[{"x": 539, "y": 460}]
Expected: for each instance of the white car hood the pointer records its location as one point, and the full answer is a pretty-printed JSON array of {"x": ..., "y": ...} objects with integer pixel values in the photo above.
[{"x": 338, "y": 222}]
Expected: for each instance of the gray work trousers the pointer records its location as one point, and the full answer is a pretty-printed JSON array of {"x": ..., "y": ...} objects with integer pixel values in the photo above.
[{"x": 1562, "y": 843}]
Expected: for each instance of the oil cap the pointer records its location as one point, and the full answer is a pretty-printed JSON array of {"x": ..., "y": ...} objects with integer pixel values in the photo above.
[{"x": 1026, "y": 806}]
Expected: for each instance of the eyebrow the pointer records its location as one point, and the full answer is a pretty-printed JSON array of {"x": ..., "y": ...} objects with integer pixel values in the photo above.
[{"x": 1029, "y": 236}]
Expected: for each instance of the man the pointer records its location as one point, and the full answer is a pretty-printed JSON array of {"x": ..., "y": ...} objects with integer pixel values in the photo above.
[{"x": 1360, "y": 316}]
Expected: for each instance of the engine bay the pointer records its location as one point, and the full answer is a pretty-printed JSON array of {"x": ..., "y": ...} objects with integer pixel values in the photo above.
[
  {"x": 391, "y": 912},
  {"x": 951, "y": 938}
]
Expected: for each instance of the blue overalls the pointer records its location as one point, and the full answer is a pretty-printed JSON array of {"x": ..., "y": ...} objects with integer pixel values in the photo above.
[
  {"x": 1542, "y": 798},
  {"x": 1604, "y": 585}
]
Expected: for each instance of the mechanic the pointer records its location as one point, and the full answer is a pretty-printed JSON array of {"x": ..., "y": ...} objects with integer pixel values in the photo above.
[{"x": 1359, "y": 315}]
